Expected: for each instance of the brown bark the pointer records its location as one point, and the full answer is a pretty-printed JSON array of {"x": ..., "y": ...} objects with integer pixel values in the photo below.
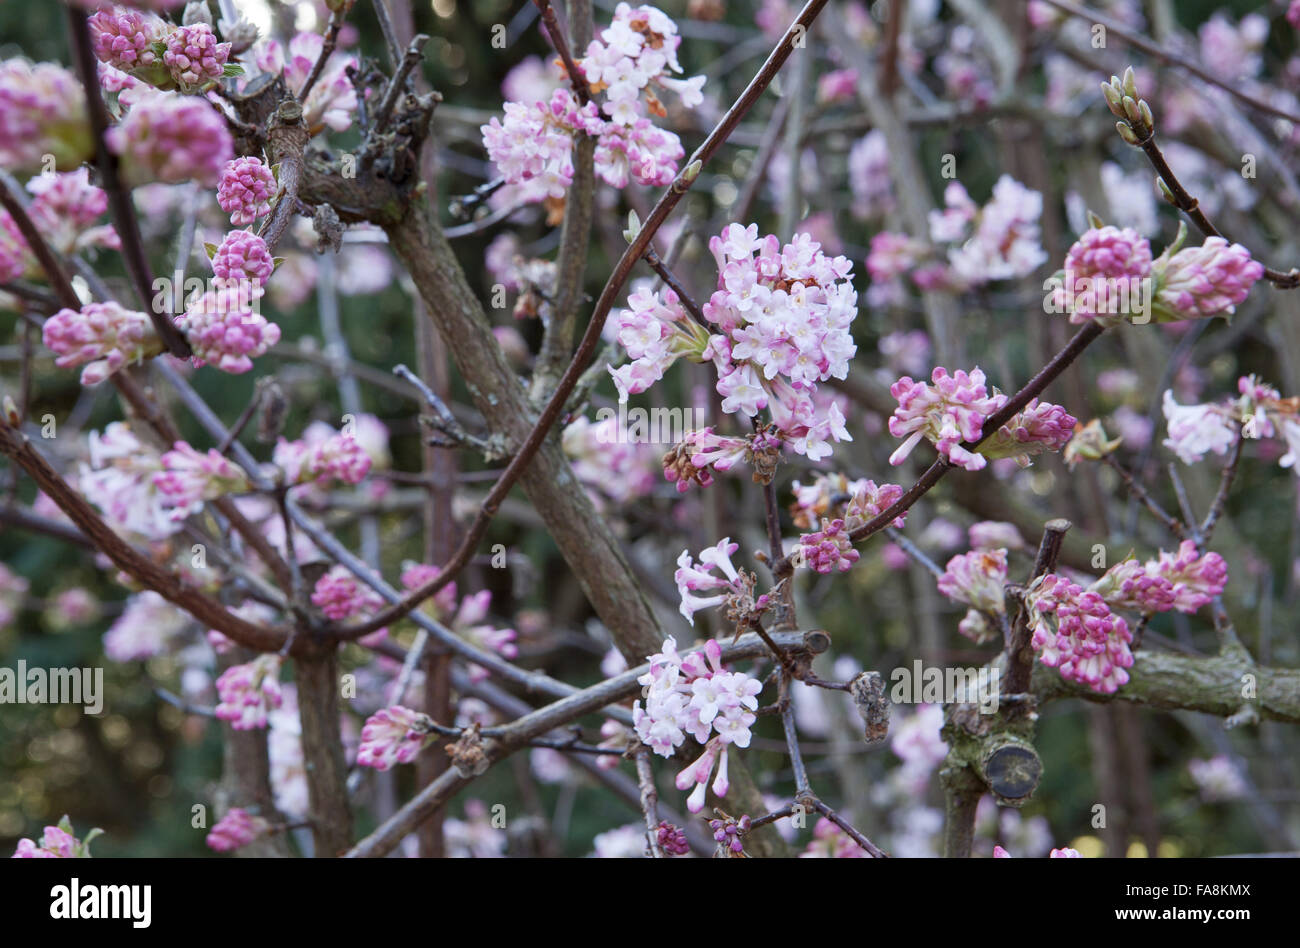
[{"x": 584, "y": 539}]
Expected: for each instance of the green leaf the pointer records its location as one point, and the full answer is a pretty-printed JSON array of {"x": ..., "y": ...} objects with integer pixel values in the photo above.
[{"x": 232, "y": 69}]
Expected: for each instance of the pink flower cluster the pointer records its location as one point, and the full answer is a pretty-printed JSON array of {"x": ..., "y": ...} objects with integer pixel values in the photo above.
[
  {"x": 831, "y": 842},
  {"x": 339, "y": 595},
  {"x": 1183, "y": 580},
  {"x": 1082, "y": 638},
  {"x": 977, "y": 578},
  {"x": 393, "y": 735},
  {"x": 1204, "y": 281},
  {"x": 621, "y": 468},
  {"x": 870, "y": 180},
  {"x": 953, "y": 410},
  {"x": 119, "y": 480},
  {"x": 636, "y": 51},
  {"x": 242, "y": 260},
  {"x": 1000, "y": 241},
  {"x": 189, "y": 477},
  {"x": 224, "y": 330},
  {"x": 194, "y": 57},
  {"x": 691, "y": 696},
  {"x": 57, "y": 842},
  {"x": 691, "y": 577},
  {"x": 533, "y": 143},
  {"x": 1103, "y": 271},
  {"x": 104, "y": 337},
  {"x": 782, "y": 316},
  {"x": 64, "y": 208},
  {"x": 671, "y": 839},
  {"x": 333, "y": 99},
  {"x": 1063, "y": 853},
  {"x": 125, "y": 38},
  {"x": 249, "y": 691},
  {"x": 828, "y": 549},
  {"x": 701, "y": 453},
  {"x": 468, "y": 620},
  {"x": 245, "y": 190},
  {"x": 171, "y": 138},
  {"x": 1258, "y": 412},
  {"x": 338, "y": 456},
  {"x": 656, "y": 331},
  {"x": 42, "y": 112},
  {"x": 236, "y": 829}
]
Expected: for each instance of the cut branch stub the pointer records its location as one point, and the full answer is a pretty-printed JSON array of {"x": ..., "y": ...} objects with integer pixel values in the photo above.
[{"x": 1011, "y": 768}]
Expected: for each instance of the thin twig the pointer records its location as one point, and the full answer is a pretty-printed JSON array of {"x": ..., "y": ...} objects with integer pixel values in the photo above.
[
  {"x": 649, "y": 801},
  {"x": 119, "y": 200},
  {"x": 326, "y": 51}
]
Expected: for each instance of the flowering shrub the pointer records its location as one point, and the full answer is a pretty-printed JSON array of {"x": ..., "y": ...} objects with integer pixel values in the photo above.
[{"x": 357, "y": 425}]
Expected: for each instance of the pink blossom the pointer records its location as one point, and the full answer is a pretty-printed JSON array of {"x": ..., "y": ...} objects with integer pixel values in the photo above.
[
  {"x": 1195, "y": 430},
  {"x": 65, "y": 207},
  {"x": 336, "y": 457},
  {"x": 332, "y": 101},
  {"x": 671, "y": 839},
  {"x": 245, "y": 191},
  {"x": 236, "y": 829},
  {"x": 249, "y": 691},
  {"x": 393, "y": 735},
  {"x": 1038, "y": 427},
  {"x": 1082, "y": 639},
  {"x": 977, "y": 578},
  {"x": 950, "y": 411},
  {"x": 696, "y": 696},
  {"x": 104, "y": 337},
  {"x": 56, "y": 843},
  {"x": 534, "y": 143},
  {"x": 691, "y": 577},
  {"x": 223, "y": 330},
  {"x": 42, "y": 112},
  {"x": 1204, "y": 281},
  {"x": 1196, "y": 579},
  {"x": 869, "y": 177},
  {"x": 609, "y": 460},
  {"x": 119, "y": 480},
  {"x": 188, "y": 478},
  {"x": 991, "y": 534},
  {"x": 837, "y": 85},
  {"x": 640, "y": 151},
  {"x": 830, "y": 842},
  {"x": 194, "y": 57},
  {"x": 340, "y": 595},
  {"x": 828, "y": 549},
  {"x": 443, "y": 603},
  {"x": 171, "y": 138},
  {"x": 242, "y": 259},
  {"x": 124, "y": 38},
  {"x": 1103, "y": 269},
  {"x": 146, "y": 627}
]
